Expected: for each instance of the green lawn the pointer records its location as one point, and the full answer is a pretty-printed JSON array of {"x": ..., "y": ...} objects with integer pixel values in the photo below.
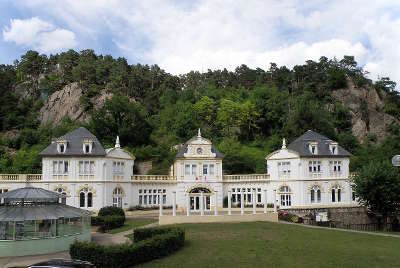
[
  {"x": 261, "y": 244},
  {"x": 130, "y": 224}
]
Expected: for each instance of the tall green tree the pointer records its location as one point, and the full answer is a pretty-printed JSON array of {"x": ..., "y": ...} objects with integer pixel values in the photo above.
[{"x": 377, "y": 185}]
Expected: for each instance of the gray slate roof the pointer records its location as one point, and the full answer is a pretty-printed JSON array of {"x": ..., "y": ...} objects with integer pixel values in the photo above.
[
  {"x": 31, "y": 194},
  {"x": 184, "y": 149},
  {"x": 300, "y": 145},
  {"x": 74, "y": 144}
]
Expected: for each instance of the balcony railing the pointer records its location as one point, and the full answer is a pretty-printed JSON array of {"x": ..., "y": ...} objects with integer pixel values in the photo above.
[
  {"x": 20, "y": 177},
  {"x": 165, "y": 178},
  {"x": 246, "y": 177}
]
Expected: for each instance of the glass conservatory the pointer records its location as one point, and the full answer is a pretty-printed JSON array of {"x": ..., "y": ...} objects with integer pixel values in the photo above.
[{"x": 35, "y": 221}]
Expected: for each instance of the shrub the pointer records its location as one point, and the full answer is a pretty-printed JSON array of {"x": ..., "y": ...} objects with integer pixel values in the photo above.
[
  {"x": 285, "y": 216},
  {"x": 155, "y": 244},
  {"x": 146, "y": 233},
  {"x": 110, "y": 211},
  {"x": 96, "y": 221},
  {"x": 111, "y": 222}
]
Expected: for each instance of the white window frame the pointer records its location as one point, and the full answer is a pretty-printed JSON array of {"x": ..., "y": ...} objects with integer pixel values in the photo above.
[
  {"x": 86, "y": 167},
  {"x": 60, "y": 167}
]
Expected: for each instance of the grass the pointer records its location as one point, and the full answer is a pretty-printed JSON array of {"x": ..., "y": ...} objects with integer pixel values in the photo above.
[
  {"x": 261, "y": 244},
  {"x": 130, "y": 224}
]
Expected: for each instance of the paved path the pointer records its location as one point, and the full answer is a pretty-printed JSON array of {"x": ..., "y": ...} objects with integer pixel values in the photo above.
[{"x": 341, "y": 230}]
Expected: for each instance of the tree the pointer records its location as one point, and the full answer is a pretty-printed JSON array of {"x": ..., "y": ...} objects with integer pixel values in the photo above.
[
  {"x": 121, "y": 117},
  {"x": 377, "y": 185}
]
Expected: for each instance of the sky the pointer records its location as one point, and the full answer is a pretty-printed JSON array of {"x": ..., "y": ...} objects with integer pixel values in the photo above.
[{"x": 181, "y": 36}]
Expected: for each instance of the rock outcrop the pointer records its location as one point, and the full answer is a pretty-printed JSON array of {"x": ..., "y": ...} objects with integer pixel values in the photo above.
[
  {"x": 66, "y": 103},
  {"x": 366, "y": 110}
]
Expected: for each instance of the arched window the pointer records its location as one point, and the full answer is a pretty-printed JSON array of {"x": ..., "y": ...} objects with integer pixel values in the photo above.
[
  {"x": 62, "y": 191},
  {"x": 315, "y": 194},
  {"x": 85, "y": 198},
  {"x": 286, "y": 196},
  {"x": 89, "y": 200},
  {"x": 117, "y": 197},
  {"x": 82, "y": 199},
  {"x": 336, "y": 194}
]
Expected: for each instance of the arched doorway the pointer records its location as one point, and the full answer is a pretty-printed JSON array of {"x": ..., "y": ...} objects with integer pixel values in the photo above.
[{"x": 195, "y": 197}]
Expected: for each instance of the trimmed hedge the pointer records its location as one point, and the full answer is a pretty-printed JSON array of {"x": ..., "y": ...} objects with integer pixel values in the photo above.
[
  {"x": 146, "y": 233},
  {"x": 155, "y": 244}
]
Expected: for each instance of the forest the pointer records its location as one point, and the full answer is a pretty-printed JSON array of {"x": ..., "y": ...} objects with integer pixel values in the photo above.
[{"x": 245, "y": 112}]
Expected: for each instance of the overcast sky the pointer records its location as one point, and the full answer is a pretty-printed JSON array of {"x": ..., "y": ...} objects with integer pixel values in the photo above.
[{"x": 181, "y": 35}]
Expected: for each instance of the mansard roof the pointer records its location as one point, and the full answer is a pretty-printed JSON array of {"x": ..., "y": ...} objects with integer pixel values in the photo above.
[
  {"x": 75, "y": 141},
  {"x": 301, "y": 146},
  {"x": 193, "y": 140}
]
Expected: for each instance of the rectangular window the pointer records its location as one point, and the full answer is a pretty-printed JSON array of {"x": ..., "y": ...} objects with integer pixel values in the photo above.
[
  {"x": 60, "y": 167},
  {"x": 140, "y": 200},
  {"x": 145, "y": 199},
  {"x": 164, "y": 199},
  {"x": 205, "y": 169},
  {"x": 187, "y": 169},
  {"x": 86, "y": 167},
  {"x": 314, "y": 166},
  {"x": 150, "y": 199},
  {"x": 211, "y": 169},
  {"x": 259, "y": 198},
  {"x": 194, "y": 169}
]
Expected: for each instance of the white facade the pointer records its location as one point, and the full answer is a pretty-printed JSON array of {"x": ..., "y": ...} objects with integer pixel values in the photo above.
[{"x": 92, "y": 182}]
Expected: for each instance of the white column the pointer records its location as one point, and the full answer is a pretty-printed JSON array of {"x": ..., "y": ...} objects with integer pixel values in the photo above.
[
  {"x": 174, "y": 203},
  {"x": 201, "y": 203},
  {"x": 254, "y": 201},
  {"x": 275, "y": 204},
  {"x": 241, "y": 203},
  {"x": 188, "y": 205},
  {"x": 229, "y": 203},
  {"x": 265, "y": 201},
  {"x": 160, "y": 203},
  {"x": 216, "y": 204}
]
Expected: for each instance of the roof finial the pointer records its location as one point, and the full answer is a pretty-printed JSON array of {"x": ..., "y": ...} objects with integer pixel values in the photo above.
[
  {"x": 199, "y": 134},
  {"x": 117, "y": 145},
  {"x": 284, "y": 143}
]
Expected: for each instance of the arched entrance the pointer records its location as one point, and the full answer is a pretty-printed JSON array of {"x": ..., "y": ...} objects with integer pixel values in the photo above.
[{"x": 195, "y": 196}]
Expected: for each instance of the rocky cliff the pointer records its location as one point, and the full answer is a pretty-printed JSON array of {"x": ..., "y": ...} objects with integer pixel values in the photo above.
[
  {"x": 66, "y": 103},
  {"x": 366, "y": 110}
]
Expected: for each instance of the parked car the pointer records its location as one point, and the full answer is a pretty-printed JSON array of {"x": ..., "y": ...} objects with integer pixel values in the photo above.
[{"x": 62, "y": 263}]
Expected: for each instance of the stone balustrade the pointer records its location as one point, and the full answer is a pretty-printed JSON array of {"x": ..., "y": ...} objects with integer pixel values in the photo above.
[
  {"x": 20, "y": 177},
  {"x": 158, "y": 178},
  {"x": 246, "y": 177}
]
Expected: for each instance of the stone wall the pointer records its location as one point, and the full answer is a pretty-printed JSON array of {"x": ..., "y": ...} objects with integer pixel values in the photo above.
[{"x": 345, "y": 215}]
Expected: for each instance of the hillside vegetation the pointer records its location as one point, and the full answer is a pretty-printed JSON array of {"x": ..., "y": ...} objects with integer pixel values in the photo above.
[{"x": 245, "y": 112}]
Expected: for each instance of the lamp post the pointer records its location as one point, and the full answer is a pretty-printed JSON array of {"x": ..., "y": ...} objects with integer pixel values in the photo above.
[
  {"x": 174, "y": 203},
  {"x": 229, "y": 203},
  {"x": 265, "y": 201}
]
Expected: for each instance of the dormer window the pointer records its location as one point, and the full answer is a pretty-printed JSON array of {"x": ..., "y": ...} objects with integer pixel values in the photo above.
[
  {"x": 313, "y": 147},
  {"x": 333, "y": 148},
  {"x": 87, "y": 146},
  {"x": 61, "y": 147}
]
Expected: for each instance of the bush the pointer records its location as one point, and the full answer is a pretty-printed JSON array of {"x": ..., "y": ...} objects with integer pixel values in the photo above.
[
  {"x": 111, "y": 222},
  {"x": 96, "y": 221},
  {"x": 155, "y": 244},
  {"x": 285, "y": 216},
  {"x": 110, "y": 211},
  {"x": 146, "y": 233}
]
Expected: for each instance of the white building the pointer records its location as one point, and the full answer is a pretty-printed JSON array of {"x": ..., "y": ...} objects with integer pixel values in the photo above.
[{"x": 312, "y": 171}]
